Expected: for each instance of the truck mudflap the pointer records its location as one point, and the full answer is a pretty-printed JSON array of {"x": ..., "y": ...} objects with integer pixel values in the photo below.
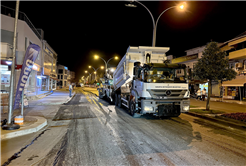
[{"x": 168, "y": 110}]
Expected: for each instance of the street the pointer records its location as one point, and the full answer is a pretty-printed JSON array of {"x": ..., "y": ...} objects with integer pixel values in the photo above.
[{"x": 91, "y": 131}]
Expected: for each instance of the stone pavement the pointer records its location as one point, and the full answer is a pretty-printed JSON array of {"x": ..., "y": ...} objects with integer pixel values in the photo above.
[{"x": 35, "y": 122}]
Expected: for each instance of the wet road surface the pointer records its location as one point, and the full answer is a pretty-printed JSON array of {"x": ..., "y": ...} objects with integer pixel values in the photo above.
[{"x": 90, "y": 131}]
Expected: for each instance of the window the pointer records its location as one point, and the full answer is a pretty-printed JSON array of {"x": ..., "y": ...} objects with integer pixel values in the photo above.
[
  {"x": 60, "y": 71},
  {"x": 58, "y": 76},
  {"x": 65, "y": 71},
  {"x": 61, "y": 76},
  {"x": 65, "y": 77}
]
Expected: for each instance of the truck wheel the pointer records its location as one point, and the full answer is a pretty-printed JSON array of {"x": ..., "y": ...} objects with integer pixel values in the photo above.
[
  {"x": 116, "y": 100},
  {"x": 100, "y": 95},
  {"x": 132, "y": 108},
  {"x": 119, "y": 101}
]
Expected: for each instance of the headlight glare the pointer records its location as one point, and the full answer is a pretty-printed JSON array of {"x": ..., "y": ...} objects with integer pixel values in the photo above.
[
  {"x": 186, "y": 108},
  {"x": 148, "y": 108}
]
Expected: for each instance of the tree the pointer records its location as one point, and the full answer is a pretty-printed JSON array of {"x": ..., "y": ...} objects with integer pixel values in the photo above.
[{"x": 214, "y": 65}]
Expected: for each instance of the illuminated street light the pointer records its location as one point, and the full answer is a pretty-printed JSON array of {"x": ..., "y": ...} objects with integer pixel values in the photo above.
[
  {"x": 106, "y": 63},
  {"x": 180, "y": 7},
  {"x": 96, "y": 70}
]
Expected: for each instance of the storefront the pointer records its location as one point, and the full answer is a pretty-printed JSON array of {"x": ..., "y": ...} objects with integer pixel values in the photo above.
[{"x": 235, "y": 89}]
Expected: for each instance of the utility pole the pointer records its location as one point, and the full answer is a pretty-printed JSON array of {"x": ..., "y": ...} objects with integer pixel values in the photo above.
[{"x": 10, "y": 125}]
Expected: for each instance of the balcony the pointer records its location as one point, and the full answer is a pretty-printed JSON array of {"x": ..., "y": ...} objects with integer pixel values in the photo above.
[{"x": 239, "y": 54}]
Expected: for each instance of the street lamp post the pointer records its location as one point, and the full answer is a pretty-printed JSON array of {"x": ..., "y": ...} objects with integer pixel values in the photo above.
[
  {"x": 106, "y": 63},
  {"x": 10, "y": 125},
  {"x": 89, "y": 74},
  {"x": 95, "y": 70},
  {"x": 155, "y": 24}
]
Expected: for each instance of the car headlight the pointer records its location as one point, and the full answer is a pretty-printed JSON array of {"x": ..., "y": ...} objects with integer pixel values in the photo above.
[
  {"x": 149, "y": 80},
  {"x": 148, "y": 108},
  {"x": 186, "y": 108}
]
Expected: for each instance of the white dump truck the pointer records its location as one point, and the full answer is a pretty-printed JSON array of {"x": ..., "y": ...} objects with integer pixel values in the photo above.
[{"x": 145, "y": 83}]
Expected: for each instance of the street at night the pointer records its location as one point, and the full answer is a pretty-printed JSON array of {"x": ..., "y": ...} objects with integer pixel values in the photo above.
[
  {"x": 91, "y": 131},
  {"x": 123, "y": 83}
]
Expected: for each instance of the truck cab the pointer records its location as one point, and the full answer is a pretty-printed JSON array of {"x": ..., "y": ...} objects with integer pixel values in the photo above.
[{"x": 161, "y": 88}]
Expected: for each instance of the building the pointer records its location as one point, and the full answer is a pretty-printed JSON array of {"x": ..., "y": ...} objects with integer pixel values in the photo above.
[
  {"x": 44, "y": 67},
  {"x": 49, "y": 72},
  {"x": 65, "y": 76},
  {"x": 191, "y": 58},
  {"x": 62, "y": 75},
  {"x": 236, "y": 51}
]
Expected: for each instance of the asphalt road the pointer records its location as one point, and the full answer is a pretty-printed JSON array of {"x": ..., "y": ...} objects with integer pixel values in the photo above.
[{"x": 90, "y": 131}]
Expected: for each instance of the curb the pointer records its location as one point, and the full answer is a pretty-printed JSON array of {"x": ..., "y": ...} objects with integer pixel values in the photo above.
[
  {"x": 221, "y": 120},
  {"x": 39, "y": 124},
  {"x": 39, "y": 96},
  {"x": 69, "y": 98}
]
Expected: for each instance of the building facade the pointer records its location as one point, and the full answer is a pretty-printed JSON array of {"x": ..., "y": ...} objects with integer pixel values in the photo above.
[
  {"x": 62, "y": 75},
  {"x": 65, "y": 76},
  {"x": 191, "y": 58},
  {"x": 49, "y": 72},
  {"x": 26, "y": 34},
  {"x": 236, "y": 51}
]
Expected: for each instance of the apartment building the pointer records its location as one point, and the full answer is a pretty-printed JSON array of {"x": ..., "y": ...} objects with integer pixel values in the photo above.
[
  {"x": 236, "y": 51},
  {"x": 44, "y": 67},
  {"x": 191, "y": 58},
  {"x": 62, "y": 75}
]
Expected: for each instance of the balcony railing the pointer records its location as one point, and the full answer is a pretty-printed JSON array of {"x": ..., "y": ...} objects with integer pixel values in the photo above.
[
  {"x": 239, "y": 54},
  {"x": 21, "y": 16}
]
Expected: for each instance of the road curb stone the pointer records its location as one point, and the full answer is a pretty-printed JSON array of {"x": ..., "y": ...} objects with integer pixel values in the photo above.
[
  {"x": 36, "y": 126},
  {"x": 222, "y": 120}
]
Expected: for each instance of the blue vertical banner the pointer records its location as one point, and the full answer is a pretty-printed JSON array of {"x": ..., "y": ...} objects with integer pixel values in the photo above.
[{"x": 30, "y": 57}]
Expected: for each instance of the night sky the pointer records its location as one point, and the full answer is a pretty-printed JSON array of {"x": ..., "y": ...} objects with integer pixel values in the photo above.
[{"x": 78, "y": 30}]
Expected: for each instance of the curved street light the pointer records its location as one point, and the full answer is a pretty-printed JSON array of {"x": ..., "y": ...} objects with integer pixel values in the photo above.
[
  {"x": 88, "y": 73},
  {"x": 155, "y": 24},
  {"x": 96, "y": 70},
  {"x": 106, "y": 63}
]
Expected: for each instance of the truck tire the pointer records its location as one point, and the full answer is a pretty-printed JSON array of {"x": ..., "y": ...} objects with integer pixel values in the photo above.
[
  {"x": 132, "y": 108},
  {"x": 116, "y": 100},
  {"x": 119, "y": 101},
  {"x": 100, "y": 94}
]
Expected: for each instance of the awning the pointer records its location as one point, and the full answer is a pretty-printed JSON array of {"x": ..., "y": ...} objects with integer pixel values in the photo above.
[
  {"x": 197, "y": 82},
  {"x": 54, "y": 78},
  {"x": 238, "y": 81}
]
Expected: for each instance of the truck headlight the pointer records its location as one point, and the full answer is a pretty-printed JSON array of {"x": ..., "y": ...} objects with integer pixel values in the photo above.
[
  {"x": 186, "y": 108},
  {"x": 148, "y": 108}
]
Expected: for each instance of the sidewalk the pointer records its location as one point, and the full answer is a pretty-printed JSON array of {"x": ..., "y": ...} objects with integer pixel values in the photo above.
[
  {"x": 228, "y": 101},
  {"x": 34, "y": 122}
]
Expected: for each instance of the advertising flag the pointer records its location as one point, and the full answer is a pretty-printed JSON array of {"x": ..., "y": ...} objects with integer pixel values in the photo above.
[{"x": 29, "y": 59}]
